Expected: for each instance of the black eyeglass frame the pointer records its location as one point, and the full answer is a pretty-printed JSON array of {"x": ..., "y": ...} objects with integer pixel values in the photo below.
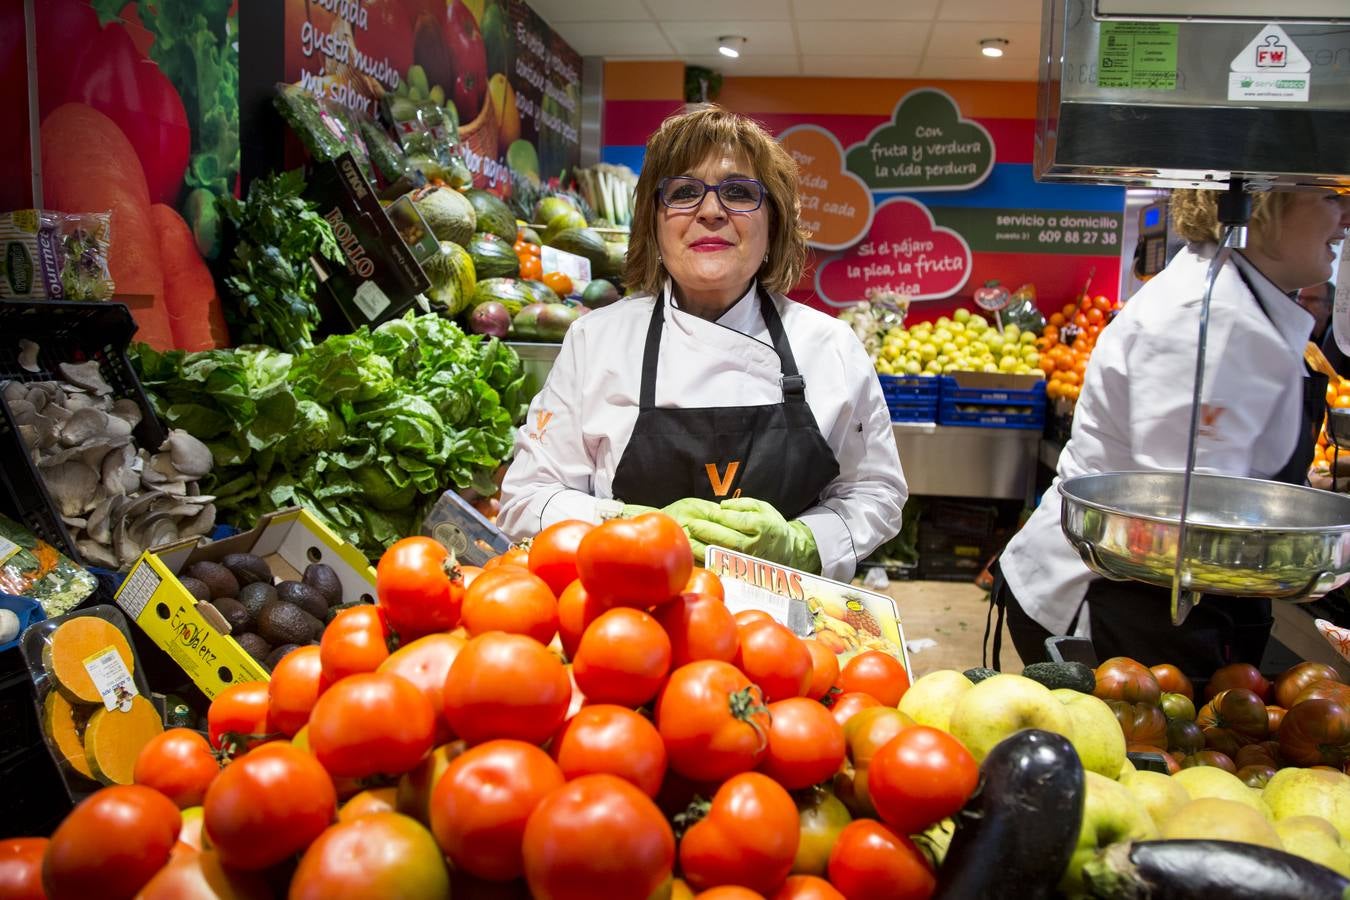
[{"x": 709, "y": 188}]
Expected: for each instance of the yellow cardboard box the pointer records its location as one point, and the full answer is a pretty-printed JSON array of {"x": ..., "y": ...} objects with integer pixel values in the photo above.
[{"x": 288, "y": 539}]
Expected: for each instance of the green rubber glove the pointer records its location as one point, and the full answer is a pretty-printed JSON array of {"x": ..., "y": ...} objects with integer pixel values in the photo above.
[
  {"x": 754, "y": 527},
  {"x": 687, "y": 511},
  {"x": 630, "y": 510}
]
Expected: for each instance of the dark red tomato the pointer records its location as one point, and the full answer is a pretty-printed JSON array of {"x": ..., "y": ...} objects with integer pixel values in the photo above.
[
  {"x": 700, "y": 627},
  {"x": 111, "y": 844},
  {"x": 425, "y": 662},
  {"x": 705, "y": 581},
  {"x": 775, "y": 659},
  {"x": 1122, "y": 678},
  {"x": 746, "y": 616},
  {"x": 806, "y": 887},
  {"x": 1316, "y": 732},
  {"x": 643, "y": 561},
  {"x": 824, "y": 669},
  {"x": 806, "y": 744},
  {"x": 597, "y": 836},
  {"x": 846, "y": 706},
  {"x": 1239, "y": 675},
  {"x": 237, "y": 718},
  {"x": 576, "y": 610},
  {"x": 200, "y": 875},
  {"x": 371, "y": 724},
  {"x": 267, "y": 805},
  {"x": 553, "y": 553},
  {"x": 480, "y": 806},
  {"x": 713, "y": 721},
  {"x": 611, "y": 740},
  {"x": 623, "y": 658},
  {"x": 296, "y": 684},
  {"x": 506, "y": 686},
  {"x": 419, "y": 587},
  {"x": 872, "y": 861},
  {"x": 1172, "y": 680},
  {"x": 380, "y": 855},
  {"x": 511, "y": 601},
  {"x": 1290, "y": 684},
  {"x": 920, "y": 776},
  {"x": 748, "y": 837},
  {"x": 21, "y": 868},
  {"x": 179, "y": 764},
  {"x": 355, "y": 641},
  {"x": 875, "y": 673}
]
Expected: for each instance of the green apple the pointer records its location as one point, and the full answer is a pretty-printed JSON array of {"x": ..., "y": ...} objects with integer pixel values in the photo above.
[
  {"x": 1003, "y": 705},
  {"x": 1096, "y": 732},
  {"x": 1027, "y": 337},
  {"x": 943, "y": 321},
  {"x": 1110, "y": 814},
  {"x": 930, "y": 700},
  {"x": 1310, "y": 792},
  {"x": 1213, "y": 819},
  {"x": 1161, "y": 794},
  {"x": 1011, "y": 332},
  {"x": 1126, "y": 769},
  {"x": 942, "y": 335},
  {"x": 961, "y": 315},
  {"x": 1316, "y": 839},
  {"x": 1208, "y": 781}
]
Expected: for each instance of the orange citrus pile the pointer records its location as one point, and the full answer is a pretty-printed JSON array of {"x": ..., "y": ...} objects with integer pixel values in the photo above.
[{"x": 1065, "y": 363}]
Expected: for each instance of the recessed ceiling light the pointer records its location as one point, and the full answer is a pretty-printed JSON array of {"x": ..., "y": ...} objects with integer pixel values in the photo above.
[
  {"x": 730, "y": 45},
  {"x": 993, "y": 46}
]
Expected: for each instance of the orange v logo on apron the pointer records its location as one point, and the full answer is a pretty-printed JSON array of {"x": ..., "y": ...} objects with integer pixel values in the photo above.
[
  {"x": 721, "y": 484},
  {"x": 542, "y": 418}
]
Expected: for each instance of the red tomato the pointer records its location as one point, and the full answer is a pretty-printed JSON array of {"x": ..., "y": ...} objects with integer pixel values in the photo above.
[
  {"x": 469, "y": 573},
  {"x": 729, "y": 892},
  {"x": 296, "y": 684},
  {"x": 200, "y": 874},
  {"x": 872, "y": 861},
  {"x": 371, "y": 724},
  {"x": 516, "y": 556},
  {"x": 506, "y": 686},
  {"x": 577, "y": 609},
  {"x": 514, "y": 602},
  {"x": 775, "y": 659},
  {"x": 847, "y": 705},
  {"x": 179, "y": 764},
  {"x": 807, "y": 887},
  {"x": 920, "y": 776},
  {"x": 746, "y": 616},
  {"x": 643, "y": 561},
  {"x": 597, "y": 836},
  {"x": 419, "y": 587},
  {"x": 111, "y": 844},
  {"x": 705, "y": 581},
  {"x": 700, "y": 627},
  {"x": 268, "y": 805},
  {"x": 237, "y": 718},
  {"x": 355, "y": 641},
  {"x": 1121, "y": 678},
  {"x": 623, "y": 658},
  {"x": 713, "y": 721},
  {"x": 21, "y": 868},
  {"x": 425, "y": 663},
  {"x": 1172, "y": 680},
  {"x": 875, "y": 673},
  {"x": 749, "y": 836},
  {"x": 806, "y": 744},
  {"x": 605, "y": 739},
  {"x": 824, "y": 669},
  {"x": 1238, "y": 675},
  {"x": 380, "y": 855},
  {"x": 480, "y": 806},
  {"x": 553, "y": 553}
]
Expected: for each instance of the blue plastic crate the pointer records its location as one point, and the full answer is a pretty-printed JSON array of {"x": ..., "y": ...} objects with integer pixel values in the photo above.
[
  {"x": 913, "y": 410},
  {"x": 908, "y": 387},
  {"x": 954, "y": 412},
  {"x": 952, "y": 390},
  {"x": 27, "y": 609}
]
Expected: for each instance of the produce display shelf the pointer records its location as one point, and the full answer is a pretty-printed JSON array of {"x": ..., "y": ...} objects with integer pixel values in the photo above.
[{"x": 991, "y": 407}]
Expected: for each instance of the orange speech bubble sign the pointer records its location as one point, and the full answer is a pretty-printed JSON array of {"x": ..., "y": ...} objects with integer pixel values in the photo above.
[{"x": 836, "y": 206}]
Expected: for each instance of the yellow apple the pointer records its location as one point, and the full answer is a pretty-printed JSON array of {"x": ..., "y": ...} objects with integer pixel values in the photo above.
[
  {"x": 1096, "y": 732},
  {"x": 1209, "y": 818},
  {"x": 1310, "y": 792},
  {"x": 1207, "y": 781},
  {"x": 1316, "y": 839},
  {"x": 1161, "y": 794},
  {"x": 1110, "y": 814},
  {"x": 1002, "y": 705},
  {"x": 930, "y": 700}
]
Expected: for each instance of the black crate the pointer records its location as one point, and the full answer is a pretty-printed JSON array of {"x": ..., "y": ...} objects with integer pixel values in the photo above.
[
  {"x": 34, "y": 801},
  {"x": 949, "y": 567},
  {"x": 973, "y": 519},
  {"x": 65, "y": 332},
  {"x": 936, "y": 540}
]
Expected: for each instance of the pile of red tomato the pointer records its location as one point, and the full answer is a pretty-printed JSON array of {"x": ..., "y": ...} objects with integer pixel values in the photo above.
[{"x": 439, "y": 742}]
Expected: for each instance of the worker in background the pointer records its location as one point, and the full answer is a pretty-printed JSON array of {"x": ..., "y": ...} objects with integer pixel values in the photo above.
[{"x": 1319, "y": 300}]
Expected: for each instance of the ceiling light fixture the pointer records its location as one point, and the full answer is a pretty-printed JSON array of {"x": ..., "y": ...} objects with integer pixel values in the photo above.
[
  {"x": 993, "y": 46},
  {"x": 730, "y": 45}
]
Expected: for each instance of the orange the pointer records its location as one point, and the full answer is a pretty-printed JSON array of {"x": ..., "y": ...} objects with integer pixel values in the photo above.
[
  {"x": 1342, "y": 401},
  {"x": 1057, "y": 319}
]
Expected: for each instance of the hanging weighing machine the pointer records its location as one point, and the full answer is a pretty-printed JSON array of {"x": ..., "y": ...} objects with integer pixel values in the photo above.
[{"x": 1238, "y": 96}]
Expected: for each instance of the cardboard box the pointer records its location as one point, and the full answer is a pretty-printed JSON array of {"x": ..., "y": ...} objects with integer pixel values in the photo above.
[{"x": 288, "y": 539}]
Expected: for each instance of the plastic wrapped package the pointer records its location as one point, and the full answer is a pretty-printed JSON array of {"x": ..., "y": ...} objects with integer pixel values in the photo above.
[
  {"x": 55, "y": 255},
  {"x": 31, "y": 567}
]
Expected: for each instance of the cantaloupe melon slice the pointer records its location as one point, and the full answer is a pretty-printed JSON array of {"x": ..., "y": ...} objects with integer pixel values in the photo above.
[
  {"x": 113, "y": 739},
  {"x": 71, "y": 644},
  {"x": 64, "y": 724}
]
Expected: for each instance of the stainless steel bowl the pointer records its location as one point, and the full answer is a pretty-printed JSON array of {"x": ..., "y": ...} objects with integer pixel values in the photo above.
[
  {"x": 1338, "y": 427},
  {"x": 1245, "y": 537}
]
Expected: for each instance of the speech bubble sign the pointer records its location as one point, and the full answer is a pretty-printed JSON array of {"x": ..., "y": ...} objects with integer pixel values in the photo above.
[
  {"x": 837, "y": 208},
  {"x": 926, "y": 146},
  {"x": 904, "y": 251}
]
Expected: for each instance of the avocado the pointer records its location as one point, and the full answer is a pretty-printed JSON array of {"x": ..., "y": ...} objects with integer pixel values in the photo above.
[
  {"x": 234, "y": 613},
  {"x": 286, "y": 623},
  {"x": 218, "y": 579},
  {"x": 323, "y": 579},
  {"x": 194, "y": 586},
  {"x": 278, "y": 653},
  {"x": 247, "y": 568},
  {"x": 303, "y": 596},
  {"x": 1072, "y": 675},
  {"x": 979, "y": 673},
  {"x": 254, "y": 645},
  {"x": 255, "y": 596}
]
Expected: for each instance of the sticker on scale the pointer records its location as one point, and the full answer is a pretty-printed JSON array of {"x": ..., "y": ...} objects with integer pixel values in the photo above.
[
  {"x": 1340, "y": 314},
  {"x": 1271, "y": 68},
  {"x": 112, "y": 678}
]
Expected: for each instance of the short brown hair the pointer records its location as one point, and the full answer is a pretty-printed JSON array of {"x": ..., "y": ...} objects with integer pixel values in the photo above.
[
  {"x": 679, "y": 145},
  {"x": 1195, "y": 214}
]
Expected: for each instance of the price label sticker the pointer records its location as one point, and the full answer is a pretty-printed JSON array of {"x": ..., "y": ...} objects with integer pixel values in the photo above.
[{"x": 112, "y": 678}]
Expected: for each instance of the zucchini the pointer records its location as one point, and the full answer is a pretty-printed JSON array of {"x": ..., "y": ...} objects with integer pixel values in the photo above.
[
  {"x": 1182, "y": 870},
  {"x": 1072, "y": 675},
  {"x": 1016, "y": 834}
]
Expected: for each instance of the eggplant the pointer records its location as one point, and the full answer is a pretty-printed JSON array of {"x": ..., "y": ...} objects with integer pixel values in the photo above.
[
  {"x": 1203, "y": 870},
  {"x": 1017, "y": 832}
]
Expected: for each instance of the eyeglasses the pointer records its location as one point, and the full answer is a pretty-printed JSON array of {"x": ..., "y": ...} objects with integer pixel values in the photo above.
[{"x": 741, "y": 195}]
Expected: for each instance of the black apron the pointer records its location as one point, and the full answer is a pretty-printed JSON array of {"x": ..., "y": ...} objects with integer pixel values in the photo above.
[{"x": 772, "y": 452}]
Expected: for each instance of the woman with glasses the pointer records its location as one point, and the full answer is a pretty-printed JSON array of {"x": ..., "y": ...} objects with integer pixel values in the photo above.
[{"x": 756, "y": 422}]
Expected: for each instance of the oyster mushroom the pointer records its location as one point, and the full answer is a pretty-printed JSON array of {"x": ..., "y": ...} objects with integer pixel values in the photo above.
[
  {"x": 84, "y": 424},
  {"x": 73, "y": 487},
  {"x": 189, "y": 456},
  {"x": 118, "y": 474},
  {"x": 22, "y": 411},
  {"x": 98, "y": 525},
  {"x": 28, "y": 353},
  {"x": 97, "y": 553},
  {"x": 15, "y": 390},
  {"x": 127, "y": 411},
  {"x": 86, "y": 375}
]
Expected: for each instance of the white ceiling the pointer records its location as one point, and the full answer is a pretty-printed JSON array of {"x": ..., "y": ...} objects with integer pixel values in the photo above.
[{"x": 936, "y": 39}]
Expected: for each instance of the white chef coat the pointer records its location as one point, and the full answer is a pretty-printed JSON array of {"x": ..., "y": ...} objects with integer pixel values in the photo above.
[
  {"x": 1135, "y": 407},
  {"x": 579, "y": 424}
]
